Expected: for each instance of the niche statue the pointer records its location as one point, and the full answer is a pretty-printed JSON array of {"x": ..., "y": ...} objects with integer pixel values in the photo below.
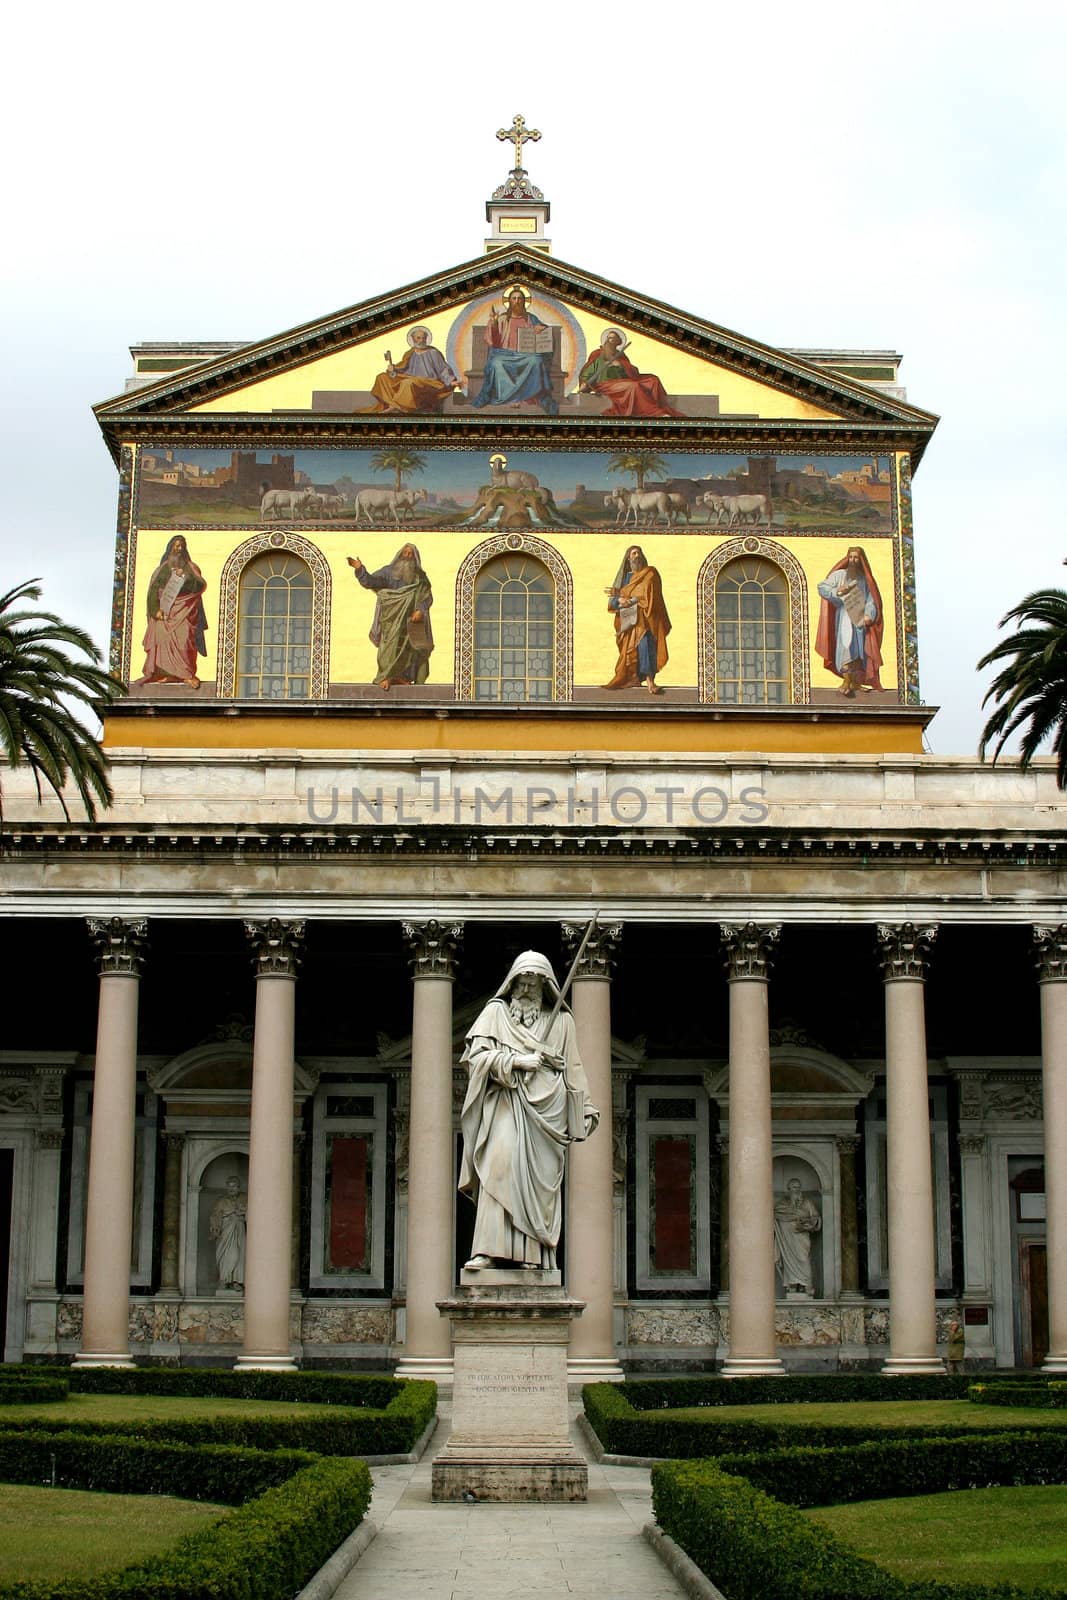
[
  {"x": 796, "y": 1218},
  {"x": 228, "y": 1229},
  {"x": 526, "y": 1102}
]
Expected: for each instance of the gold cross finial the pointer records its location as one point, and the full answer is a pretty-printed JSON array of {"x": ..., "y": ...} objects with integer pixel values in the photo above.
[{"x": 519, "y": 134}]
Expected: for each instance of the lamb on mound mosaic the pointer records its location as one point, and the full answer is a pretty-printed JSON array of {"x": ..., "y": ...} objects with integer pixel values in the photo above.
[{"x": 594, "y": 490}]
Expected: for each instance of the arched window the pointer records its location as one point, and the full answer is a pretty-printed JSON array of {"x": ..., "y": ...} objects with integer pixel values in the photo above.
[
  {"x": 752, "y": 634},
  {"x": 514, "y": 631},
  {"x": 274, "y": 638}
]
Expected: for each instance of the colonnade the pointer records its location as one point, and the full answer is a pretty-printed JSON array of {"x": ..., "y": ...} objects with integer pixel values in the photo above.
[{"x": 433, "y": 946}]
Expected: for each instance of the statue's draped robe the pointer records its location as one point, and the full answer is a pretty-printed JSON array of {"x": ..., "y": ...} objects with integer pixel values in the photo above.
[
  {"x": 422, "y": 381},
  {"x": 401, "y": 658},
  {"x": 173, "y": 642},
  {"x": 228, "y": 1229},
  {"x": 632, "y": 393},
  {"x": 642, "y": 648},
  {"x": 512, "y": 374},
  {"x": 516, "y": 1129},
  {"x": 796, "y": 1218}
]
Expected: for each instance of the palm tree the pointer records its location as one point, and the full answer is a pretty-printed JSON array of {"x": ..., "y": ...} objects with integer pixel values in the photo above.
[
  {"x": 37, "y": 676},
  {"x": 398, "y": 461},
  {"x": 642, "y": 463},
  {"x": 1031, "y": 687}
]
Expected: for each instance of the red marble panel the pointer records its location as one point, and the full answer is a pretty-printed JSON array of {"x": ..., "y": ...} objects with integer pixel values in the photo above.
[
  {"x": 672, "y": 1244},
  {"x": 349, "y": 1159}
]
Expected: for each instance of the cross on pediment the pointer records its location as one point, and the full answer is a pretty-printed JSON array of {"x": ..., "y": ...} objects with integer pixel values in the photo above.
[{"x": 518, "y": 135}]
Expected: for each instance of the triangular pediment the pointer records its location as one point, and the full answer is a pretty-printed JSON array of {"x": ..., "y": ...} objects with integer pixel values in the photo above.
[{"x": 329, "y": 370}]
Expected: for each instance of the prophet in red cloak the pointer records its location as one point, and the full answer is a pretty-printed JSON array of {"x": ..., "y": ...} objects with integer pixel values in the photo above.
[
  {"x": 176, "y": 619},
  {"x": 849, "y": 635}
]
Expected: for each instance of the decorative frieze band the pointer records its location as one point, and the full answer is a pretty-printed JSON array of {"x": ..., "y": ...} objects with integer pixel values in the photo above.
[
  {"x": 748, "y": 948},
  {"x": 120, "y": 944},
  {"x": 277, "y": 947},
  {"x": 904, "y": 949},
  {"x": 433, "y": 947},
  {"x": 1050, "y": 951},
  {"x": 599, "y": 954}
]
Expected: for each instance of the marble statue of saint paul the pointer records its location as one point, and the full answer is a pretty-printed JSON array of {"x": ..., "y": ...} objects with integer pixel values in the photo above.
[{"x": 526, "y": 1102}]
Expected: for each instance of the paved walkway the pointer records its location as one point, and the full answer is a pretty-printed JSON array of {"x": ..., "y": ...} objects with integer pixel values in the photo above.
[{"x": 428, "y": 1551}]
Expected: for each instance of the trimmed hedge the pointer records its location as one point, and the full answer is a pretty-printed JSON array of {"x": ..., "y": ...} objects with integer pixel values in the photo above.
[
  {"x": 824, "y": 1388},
  {"x": 129, "y": 1464},
  {"x": 268, "y": 1549},
  {"x": 1051, "y": 1396},
  {"x": 755, "y": 1547},
  {"x": 892, "y": 1468},
  {"x": 33, "y": 1391},
  {"x": 346, "y": 1431},
  {"x": 623, "y": 1430},
  {"x": 314, "y": 1388}
]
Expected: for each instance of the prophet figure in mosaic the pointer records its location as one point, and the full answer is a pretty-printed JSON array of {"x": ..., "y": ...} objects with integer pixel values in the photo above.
[
  {"x": 641, "y": 623},
  {"x": 526, "y": 1102},
  {"x": 849, "y": 635},
  {"x": 796, "y": 1218},
  {"x": 518, "y": 358},
  {"x": 421, "y": 380},
  {"x": 228, "y": 1229},
  {"x": 612, "y": 375},
  {"x": 400, "y": 629},
  {"x": 176, "y": 620}
]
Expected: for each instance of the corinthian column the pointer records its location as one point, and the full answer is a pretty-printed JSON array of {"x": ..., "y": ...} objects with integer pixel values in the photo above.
[
  {"x": 904, "y": 950},
  {"x": 590, "y": 1180},
  {"x": 109, "y": 1207},
  {"x": 753, "y": 1347},
  {"x": 431, "y": 1180},
  {"x": 276, "y": 951},
  {"x": 1051, "y": 949}
]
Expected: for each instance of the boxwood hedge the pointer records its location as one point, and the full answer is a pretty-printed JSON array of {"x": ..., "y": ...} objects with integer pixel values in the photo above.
[
  {"x": 731, "y": 1518},
  {"x": 346, "y": 1430},
  {"x": 825, "y": 1388},
  {"x": 296, "y": 1510},
  {"x": 624, "y": 1430},
  {"x": 1051, "y": 1396},
  {"x": 40, "y": 1391}
]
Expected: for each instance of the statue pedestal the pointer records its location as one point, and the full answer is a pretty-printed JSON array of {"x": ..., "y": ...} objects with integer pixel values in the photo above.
[{"x": 510, "y": 1435}]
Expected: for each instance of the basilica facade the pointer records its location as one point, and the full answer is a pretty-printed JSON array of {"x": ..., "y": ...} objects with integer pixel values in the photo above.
[{"x": 509, "y": 608}]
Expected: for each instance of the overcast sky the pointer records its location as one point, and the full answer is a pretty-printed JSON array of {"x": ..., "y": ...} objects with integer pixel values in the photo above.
[{"x": 884, "y": 176}]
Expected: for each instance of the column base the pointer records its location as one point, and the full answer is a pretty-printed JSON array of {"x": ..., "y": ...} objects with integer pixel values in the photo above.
[
  {"x": 593, "y": 1369},
  {"x": 265, "y": 1364},
  {"x": 1055, "y": 1364},
  {"x": 102, "y": 1358},
  {"x": 908, "y": 1366},
  {"x": 437, "y": 1369},
  {"x": 752, "y": 1367}
]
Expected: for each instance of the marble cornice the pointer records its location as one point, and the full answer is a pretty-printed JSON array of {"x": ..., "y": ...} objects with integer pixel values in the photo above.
[{"x": 863, "y": 848}]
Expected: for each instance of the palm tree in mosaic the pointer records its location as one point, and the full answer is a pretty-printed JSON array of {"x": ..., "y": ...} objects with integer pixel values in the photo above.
[
  {"x": 1030, "y": 690},
  {"x": 642, "y": 463},
  {"x": 38, "y": 678},
  {"x": 398, "y": 462}
]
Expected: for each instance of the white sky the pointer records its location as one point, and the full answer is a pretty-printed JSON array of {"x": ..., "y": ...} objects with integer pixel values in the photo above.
[{"x": 886, "y": 176}]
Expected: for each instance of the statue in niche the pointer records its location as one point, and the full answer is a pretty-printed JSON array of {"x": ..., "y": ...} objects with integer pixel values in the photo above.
[
  {"x": 796, "y": 1218},
  {"x": 526, "y": 1102},
  {"x": 228, "y": 1229}
]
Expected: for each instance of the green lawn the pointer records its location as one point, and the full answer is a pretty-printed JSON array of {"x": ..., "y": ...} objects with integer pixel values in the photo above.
[
  {"x": 50, "y": 1534},
  {"x": 134, "y": 1408},
  {"x": 1001, "y": 1535},
  {"x": 876, "y": 1414}
]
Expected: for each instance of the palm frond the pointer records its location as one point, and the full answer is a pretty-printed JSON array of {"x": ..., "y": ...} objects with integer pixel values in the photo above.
[{"x": 1029, "y": 692}]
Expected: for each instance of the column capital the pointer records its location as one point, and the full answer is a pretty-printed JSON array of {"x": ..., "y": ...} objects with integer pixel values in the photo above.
[
  {"x": 277, "y": 947},
  {"x": 904, "y": 949},
  {"x": 748, "y": 948},
  {"x": 847, "y": 1143},
  {"x": 599, "y": 954},
  {"x": 432, "y": 947},
  {"x": 1050, "y": 953},
  {"x": 120, "y": 944},
  {"x": 175, "y": 1142}
]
